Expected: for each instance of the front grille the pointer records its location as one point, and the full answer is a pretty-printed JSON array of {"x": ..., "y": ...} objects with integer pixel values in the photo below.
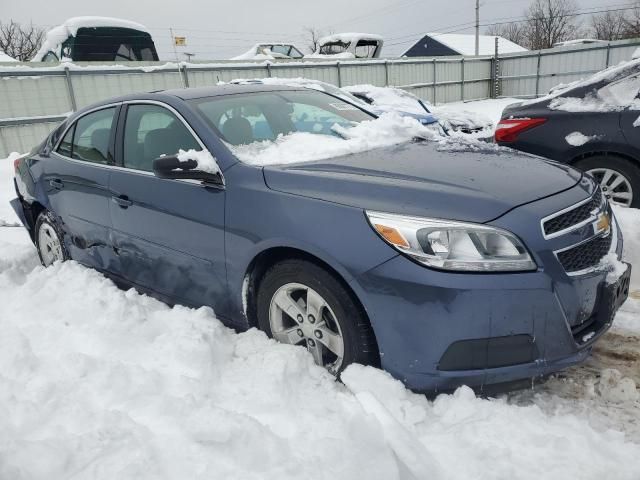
[
  {"x": 573, "y": 217},
  {"x": 585, "y": 255}
]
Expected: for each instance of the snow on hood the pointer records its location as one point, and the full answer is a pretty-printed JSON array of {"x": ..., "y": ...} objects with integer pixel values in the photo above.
[
  {"x": 6, "y": 58},
  {"x": 70, "y": 27},
  {"x": 389, "y": 129}
]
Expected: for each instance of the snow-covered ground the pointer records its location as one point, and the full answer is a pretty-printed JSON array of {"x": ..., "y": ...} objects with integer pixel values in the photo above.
[{"x": 96, "y": 382}]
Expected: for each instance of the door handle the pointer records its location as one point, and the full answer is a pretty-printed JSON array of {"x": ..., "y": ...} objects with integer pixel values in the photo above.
[
  {"x": 56, "y": 183},
  {"x": 122, "y": 201}
]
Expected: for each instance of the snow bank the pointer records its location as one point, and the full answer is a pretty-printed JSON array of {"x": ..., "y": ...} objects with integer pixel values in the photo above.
[
  {"x": 6, "y": 58},
  {"x": 112, "y": 384},
  {"x": 389, "y": 129},
  {"x": 7, "y": 191},
  {"x": 578, "y": 139}
]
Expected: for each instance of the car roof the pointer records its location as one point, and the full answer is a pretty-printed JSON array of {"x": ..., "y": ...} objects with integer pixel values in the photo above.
[{"x": 226, "y": 89}]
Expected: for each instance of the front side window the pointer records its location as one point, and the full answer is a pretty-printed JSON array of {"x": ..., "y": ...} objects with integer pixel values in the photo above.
[
  {"x": 152, "y": 131},
  {"x": 255, "y": 117},
  {"x": 88, "y": 138},
  {"x": 295, "y": 53}
]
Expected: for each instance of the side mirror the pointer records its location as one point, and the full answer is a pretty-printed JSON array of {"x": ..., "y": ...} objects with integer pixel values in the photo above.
[{"x": 173, "y": 168}]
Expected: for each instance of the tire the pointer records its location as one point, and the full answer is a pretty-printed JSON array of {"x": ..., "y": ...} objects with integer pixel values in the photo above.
[
  {"x": 620, "y": 166},
  {"x": 342, "y": 314},
  {"x": 49, "y": 240}
]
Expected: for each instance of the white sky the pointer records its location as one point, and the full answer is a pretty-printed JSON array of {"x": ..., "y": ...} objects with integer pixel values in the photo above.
[{"x": 218, "y": 30}]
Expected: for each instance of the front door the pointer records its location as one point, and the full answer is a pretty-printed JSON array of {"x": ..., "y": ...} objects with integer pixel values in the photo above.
[{"x": 168, "y": 234}]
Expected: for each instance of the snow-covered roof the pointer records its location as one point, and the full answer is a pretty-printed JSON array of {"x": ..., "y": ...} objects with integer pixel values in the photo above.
[
  {"x": 261, "y": 51},
  {"x": 6, "y": 58},
  {"x": 466, "y": 44},
  {"x": 70, "y": 27},
  {"x": 349, "y": 38},
  {"x": 578, "y": 41}
]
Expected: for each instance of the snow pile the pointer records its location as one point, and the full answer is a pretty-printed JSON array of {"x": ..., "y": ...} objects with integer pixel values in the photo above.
[
  {"x": 615, "y": 388},
  {"x": 57, "y": 35},
  {"x": 389, "y": 129},
  {"x": 204, "y": 160},
  {"x": 388, "y": 98},
  {"x": 262, "y": 51},
  {"x": 7, "y": 191},
  {"x": 578, "y": 139},
  {"x": 629, "y": 221},
  {"x": 112, "y": 384},
  {"x": 6, "y": 58}
]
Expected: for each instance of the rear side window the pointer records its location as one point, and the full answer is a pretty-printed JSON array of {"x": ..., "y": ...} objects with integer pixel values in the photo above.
[
  {"x": 88, "y": 139},
  {"x": 152, "y": 131}
]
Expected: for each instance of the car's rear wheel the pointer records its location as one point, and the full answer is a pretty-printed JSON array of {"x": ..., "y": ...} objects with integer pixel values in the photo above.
[
  {"x": 301, "y": 303},
  {"x": 48, "y": 239},
  {"x": 618, "y": 177}
]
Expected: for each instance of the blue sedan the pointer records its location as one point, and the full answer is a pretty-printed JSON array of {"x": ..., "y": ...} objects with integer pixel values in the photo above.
[{"x": 442, "y": 267}]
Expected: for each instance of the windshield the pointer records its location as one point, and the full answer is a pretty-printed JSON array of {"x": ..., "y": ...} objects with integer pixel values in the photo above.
[{"x": 255, "y": 117}]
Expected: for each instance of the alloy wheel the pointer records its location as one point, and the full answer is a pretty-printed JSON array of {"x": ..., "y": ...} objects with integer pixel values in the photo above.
[
  {"x": 49, "y": 245},
  {"x": 615, "y": 186},
  {"x": 298, "y": 315}
]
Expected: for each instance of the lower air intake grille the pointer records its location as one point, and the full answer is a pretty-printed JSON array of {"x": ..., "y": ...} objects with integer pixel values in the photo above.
[{"x": 585, "y": 255}]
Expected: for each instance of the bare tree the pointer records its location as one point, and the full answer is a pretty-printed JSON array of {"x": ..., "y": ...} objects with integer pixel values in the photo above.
[
  {"x": 609, "y": 26},
  {"x": 313, "y": 35},
  {"x": 550, "y": 21},
  {"x": 20, "y": 42},
  {"x": 515, "y": 31}
]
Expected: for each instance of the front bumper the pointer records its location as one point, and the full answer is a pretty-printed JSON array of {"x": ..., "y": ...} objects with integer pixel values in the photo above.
[{"x": 510, "y": 326}]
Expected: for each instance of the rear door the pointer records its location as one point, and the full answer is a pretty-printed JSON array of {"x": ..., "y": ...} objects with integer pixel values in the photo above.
[
  {"x": 76, "y": 178},
  {"x": 168, "y": 234}
]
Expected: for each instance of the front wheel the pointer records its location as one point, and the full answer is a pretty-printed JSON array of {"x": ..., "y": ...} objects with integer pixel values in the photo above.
[
  {"x": 619, "y": 178},
  {"x": 48, "y": 240},
  {"x": 300, "y": 303}
]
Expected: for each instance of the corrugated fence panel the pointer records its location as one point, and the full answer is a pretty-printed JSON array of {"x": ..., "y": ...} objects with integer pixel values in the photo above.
[
  {"x": 408, "y": 73},
  {"x": 354, "y": 74},
  {"x": 205, "y": 77},
  {"x": 327, "y": 74},
  {"x": 621, "y": 54},
  {"x": 92, "y": 88},
  {"x": 22, "y": 138},
  {"x": 424, "y": 93},
  {"x": 477, "y": 90},
  {"x": 578, "y": 61},
  {"x": 33, "y": 96}
]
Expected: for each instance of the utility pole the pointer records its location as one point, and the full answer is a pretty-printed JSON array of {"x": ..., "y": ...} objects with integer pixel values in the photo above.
[{"x": 477, "y": 27}]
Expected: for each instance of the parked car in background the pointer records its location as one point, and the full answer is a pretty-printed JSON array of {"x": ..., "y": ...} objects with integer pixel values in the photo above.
[
  {"x": 591, "y": 124},
  {"x": 291, "y": 210},
  {"x": 270, "y": 51},
  {"x": 349, "y": 45},
  {"x": 423, "y": 116},
  {"x": 97, "y": 39},
  {"x": 387, "y": 99}
]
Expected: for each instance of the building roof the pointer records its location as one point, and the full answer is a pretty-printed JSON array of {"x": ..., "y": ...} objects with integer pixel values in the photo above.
[{"x": 465, "y": 44}]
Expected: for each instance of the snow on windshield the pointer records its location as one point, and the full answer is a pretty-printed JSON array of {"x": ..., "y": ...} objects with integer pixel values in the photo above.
[{"x": 389, "y": 129}]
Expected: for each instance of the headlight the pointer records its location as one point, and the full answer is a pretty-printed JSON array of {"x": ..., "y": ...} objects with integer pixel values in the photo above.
[{"x": 451, "y": 245}]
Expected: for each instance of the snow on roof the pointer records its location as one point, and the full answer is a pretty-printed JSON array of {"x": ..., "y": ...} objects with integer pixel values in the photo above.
[
  {"x": 6, "y": 58},
  {"x": 349, "y": 37},
  {"x": 466, "y": 44},
  {"x": 578, "y": 41},
  {"x": 70, "y": 27},
  {"x": 262, "y": 51}
]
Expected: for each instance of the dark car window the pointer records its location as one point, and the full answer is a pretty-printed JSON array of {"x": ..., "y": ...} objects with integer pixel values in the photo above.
[
  {"x": 334, "y": 48},
  {"x": 244, "y": 119},
  {"x": 366, "y": 48},
  {"x": 88, "y": 138},
  {"x": 107, "y": 44},
  {"x": 152, "y": 131}
]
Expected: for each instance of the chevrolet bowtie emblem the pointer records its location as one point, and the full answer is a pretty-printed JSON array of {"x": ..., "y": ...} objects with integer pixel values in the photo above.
[{"x": 603, "y": 224}]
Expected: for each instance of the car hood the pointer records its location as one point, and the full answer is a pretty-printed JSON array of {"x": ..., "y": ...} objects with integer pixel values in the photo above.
[{"x": 427, "y": 179}]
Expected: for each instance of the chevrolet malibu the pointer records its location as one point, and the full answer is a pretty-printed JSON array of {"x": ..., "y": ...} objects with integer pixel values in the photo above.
[{"x": 443, "y": 265}]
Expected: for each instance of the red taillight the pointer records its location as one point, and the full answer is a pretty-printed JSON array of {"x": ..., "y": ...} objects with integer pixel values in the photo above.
[
  {"x": 509, "y": 129},
  {"x": 16, "y": 162}
]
